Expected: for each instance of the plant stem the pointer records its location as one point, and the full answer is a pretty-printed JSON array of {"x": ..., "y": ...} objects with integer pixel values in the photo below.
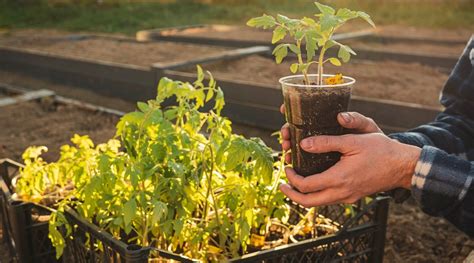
[
  {"x": 300, "y": 61},
  {"x": 320, "y": 66}
]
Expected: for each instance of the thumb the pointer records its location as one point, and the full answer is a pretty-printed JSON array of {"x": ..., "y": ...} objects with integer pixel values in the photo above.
[
  {"x": 325, "y": 143},
  {"x": 358, "y": 122}
]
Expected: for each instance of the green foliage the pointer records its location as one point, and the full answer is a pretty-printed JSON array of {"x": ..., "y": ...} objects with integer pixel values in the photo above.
[
  {"x": 312, "y": 33},
  {"x": 182, "y": 181},
  {"x": 129, "y": 16}
]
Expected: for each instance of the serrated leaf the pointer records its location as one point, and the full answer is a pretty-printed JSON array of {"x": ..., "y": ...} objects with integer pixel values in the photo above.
[
  {"x": 299, "y": 35},
  {"x": 328, "y": 22},
  {"x": 210, "y": 94},
  {"x": 325, "y": 9},
  {"x": 264, "y": 22},
  {"x": 159, "y": 212},
  {"x": 129, "y": 211},
  {"x": 308, "y": 21},
  {"x": 294, "y": 68},
  {"x": 344, "y": 54},
  {"x": 294, "y": 49},
  {"x": 346, "y": 14},
  {"x": 280, "y": 52},
  {"x": 143, "y": 106},
  {"x": 335, "y": 61},
  {"x": 311, "y": 44},
  {"x": 200, "y": 74},
  {"x": 366, "y": 17},
  {"x": 278, "y": 34},
  {"x": 291, "y": 23}
]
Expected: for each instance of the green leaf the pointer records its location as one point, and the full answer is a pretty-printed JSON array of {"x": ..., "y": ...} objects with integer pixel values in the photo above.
[
  {"x": 278, "y": 34},
  {"x": 308, "y": 21},
  {"x": 291, "y": 23},
  {"x": 159, "y": 212},
  {"x": 294, "y": 49},
  {"x": 294, "y": 68},
  {"x": 335, "y": 61},
  {"x": 143, "y": 106},
  {"x": 366, "y": 17},
  {"x": 311, "y": 44},
  {"x": 328, "y": 22},
  {"x": 129, "y": 211},
  {"x": 325, "y": 9},
  {"x": 209, "y": 95},
  {"x": 345, "y": 52},
  {"x": 264, "y": 22},
  {"x": 346, "y": 14},
  {"x": 200, "y": 74},
  {"x": 280, "y": 52}
]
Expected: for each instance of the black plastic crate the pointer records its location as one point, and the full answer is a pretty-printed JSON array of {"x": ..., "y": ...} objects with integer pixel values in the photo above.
[
  {"x": 361, "y": 238},
  {"x": 24, "y": 225}
]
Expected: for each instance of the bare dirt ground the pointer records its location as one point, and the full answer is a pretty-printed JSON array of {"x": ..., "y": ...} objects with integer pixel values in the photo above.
[
  {"x": 249, "y": 34},
  {"x": 389, "y": 80},
  {"x": 460, "y": 34},
  {"x": 227, "y": 32},
  {"x": 51, "y": 125},
  {"x": 454, "y": 50},
  {"x": 111, "y": 50}
]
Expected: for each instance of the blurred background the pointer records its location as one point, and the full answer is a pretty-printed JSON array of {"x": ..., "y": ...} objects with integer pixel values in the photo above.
[{"x": 128, "y": 16}]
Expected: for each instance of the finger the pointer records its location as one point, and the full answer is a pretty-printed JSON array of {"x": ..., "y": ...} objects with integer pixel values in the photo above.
[
  {"x": 288, "y": 158},
  {"x": 285, "y": 131},
  {"x": 326, "y": 143},
  {"x": 357, "y": 122},
  {"x": 311, "y": 183},
  {"x": 325, "y": 197},
  {"x": 286, "y": 145},
  {"x": 282, "y": 108}
]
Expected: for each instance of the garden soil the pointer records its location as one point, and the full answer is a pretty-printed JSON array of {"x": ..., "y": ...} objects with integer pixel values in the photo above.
[
  {"x": 388, "y": 80},
  {"x": 50, "y": 124},
  {"x": 123, "y": 51}
]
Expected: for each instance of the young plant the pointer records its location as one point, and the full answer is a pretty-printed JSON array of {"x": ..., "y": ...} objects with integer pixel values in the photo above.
[
  {"x": 176, "y": 178},
  {"x": 310, "y": 34}
]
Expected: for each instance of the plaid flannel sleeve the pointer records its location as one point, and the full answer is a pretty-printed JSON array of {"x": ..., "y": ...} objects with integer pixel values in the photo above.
[{"x": 443, "y": 183}]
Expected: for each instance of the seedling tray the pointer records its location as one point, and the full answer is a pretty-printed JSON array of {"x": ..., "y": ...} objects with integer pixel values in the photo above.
[
  {"x": 24, "y": 225},
  {"x": 360, "y": 238}
]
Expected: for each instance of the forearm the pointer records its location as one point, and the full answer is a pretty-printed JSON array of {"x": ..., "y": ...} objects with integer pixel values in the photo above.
[{"x": 443, "y": 185}]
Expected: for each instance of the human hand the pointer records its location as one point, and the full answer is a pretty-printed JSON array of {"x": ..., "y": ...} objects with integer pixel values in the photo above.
[
  {"x": 370, "y": 163},
  {"x": 354, "y": 121}
]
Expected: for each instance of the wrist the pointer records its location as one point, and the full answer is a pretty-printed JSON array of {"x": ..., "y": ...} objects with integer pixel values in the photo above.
[{"x": 410, "y": 156}]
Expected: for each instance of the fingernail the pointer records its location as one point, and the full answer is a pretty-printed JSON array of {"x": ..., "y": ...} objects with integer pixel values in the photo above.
[
  {"x": 306, "y": 143},
  {"x": 346, "y": 116}
]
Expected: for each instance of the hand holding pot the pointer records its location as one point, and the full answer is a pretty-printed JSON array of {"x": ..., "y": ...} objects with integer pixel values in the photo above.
[
  {"x": 353, "y": 121},
  {"x": 370, "y": 163}
]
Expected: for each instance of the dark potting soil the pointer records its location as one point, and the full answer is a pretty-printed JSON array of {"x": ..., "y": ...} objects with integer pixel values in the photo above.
[
  {"x": 49, "y": 124},
  {"x": 313, "y": 111}
]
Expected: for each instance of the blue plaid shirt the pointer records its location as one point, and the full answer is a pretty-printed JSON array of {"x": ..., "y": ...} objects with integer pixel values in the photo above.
[{"x": 443, "y": 183}]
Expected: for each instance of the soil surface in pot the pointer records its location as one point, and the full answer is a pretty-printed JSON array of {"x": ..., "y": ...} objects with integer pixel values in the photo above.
[
  {"x": 389, "y": 80},
  {"x": 49, "y": 124},
  {"x": 111, "y": 50}
]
